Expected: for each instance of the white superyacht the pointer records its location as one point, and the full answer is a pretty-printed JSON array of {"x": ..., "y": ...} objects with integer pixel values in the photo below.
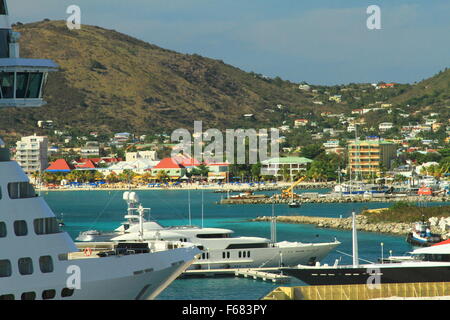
[
  {"x": 37, "y": 259},
  {"x": 220, "y": 249}
]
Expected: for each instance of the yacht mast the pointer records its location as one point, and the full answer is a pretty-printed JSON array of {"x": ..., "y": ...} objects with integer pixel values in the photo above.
[{"x": 355, "y": 241}]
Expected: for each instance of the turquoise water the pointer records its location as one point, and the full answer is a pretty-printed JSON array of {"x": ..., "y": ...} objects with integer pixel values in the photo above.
[{"x": 104, "y": 210}]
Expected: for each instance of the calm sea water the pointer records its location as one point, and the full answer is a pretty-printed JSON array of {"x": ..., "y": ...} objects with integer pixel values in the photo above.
[{"x": 104, "y": 210}]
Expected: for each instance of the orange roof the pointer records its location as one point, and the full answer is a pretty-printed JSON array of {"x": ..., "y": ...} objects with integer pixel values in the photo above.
[
  {"x": 86, "y": 165},
  {"x": 60, "y": 165},
  {"x": 168, "y": 163}
]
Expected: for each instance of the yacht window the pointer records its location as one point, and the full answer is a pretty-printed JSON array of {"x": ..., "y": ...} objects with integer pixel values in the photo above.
[
  {"x": 46, "y": 226},
  {"x": 66, "y": 292},
  {"x": 28, "y": 296},
  {"x": 48, "y": 294},
  {"x": 247, "y": 245},
  {"x": 7, "y": 297},
  {"x": 21, "y": 190},
  {"x": 46, "y": 264},
  {"x": 5, "y": 268},
  {"x": 228, "y": 254},
  {"x": 212, "y": 235},
  {"x": 248, "y": 254},
  {"x": 25, "y": 266},
  {"x": 244, "y": 254},
  {"x": 240, "y": 254},
  {"x": 20, "y": 228},
  {"x": 2, "y": 230}
]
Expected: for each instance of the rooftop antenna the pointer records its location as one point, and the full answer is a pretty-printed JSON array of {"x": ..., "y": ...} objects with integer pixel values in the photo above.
[{"x": 354, "y": 241}]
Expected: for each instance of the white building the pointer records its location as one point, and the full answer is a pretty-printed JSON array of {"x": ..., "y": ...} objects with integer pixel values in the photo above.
[
  {"x": 147, "y": 155},
  {"x": 32, "y": 153},
  {"x": 384, "y": 126}
]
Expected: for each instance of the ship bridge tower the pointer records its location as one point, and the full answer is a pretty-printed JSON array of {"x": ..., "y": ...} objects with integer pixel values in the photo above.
[{"x": 21, "y": 80}]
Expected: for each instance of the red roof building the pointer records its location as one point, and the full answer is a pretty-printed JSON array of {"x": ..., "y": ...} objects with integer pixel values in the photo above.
[{"x": 60, "y": 165}]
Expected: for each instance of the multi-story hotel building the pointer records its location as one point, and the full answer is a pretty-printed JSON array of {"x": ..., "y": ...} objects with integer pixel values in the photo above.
[
  {"x": 32, "y": 153},
  {"x": 368, "y": 157}
]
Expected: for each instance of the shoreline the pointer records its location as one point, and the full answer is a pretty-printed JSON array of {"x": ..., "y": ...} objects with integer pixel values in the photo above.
[
  {"x": 394, "y": 228},
  {"x": 216, "y": 188}
]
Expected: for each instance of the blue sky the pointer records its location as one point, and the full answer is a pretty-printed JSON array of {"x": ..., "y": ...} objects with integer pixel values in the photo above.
[{"x": 320, "y": 41}]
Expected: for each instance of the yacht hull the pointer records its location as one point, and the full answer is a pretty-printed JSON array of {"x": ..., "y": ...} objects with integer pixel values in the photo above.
[{"x": 342, "y": 276}]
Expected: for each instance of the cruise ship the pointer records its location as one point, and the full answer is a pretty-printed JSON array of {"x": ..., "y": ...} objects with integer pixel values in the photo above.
[
  {"x": 38, "y": 260},
  {"x": 220, "y": 250}
]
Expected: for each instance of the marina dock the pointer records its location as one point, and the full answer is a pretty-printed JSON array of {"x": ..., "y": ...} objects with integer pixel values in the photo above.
[
  {"x": 394, "y": 291},
  {"x": 265, "y": 274}
]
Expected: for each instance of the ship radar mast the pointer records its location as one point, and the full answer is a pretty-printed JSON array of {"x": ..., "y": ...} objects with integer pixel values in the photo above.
[{"x": 21, "y": 80}]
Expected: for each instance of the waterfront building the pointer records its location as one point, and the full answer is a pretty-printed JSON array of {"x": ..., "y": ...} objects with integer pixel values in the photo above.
[
  {"x": 368, "y": 157},
  {"x": 147, "y": 155},
  {"x": 91, "y": 149},
  {"x": 32, "y": 153},
  {"x": 170, "y": 167},
  {"x": 284, "y": 166}
]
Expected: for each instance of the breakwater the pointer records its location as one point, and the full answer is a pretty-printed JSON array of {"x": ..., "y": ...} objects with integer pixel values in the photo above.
[
  {"x": 327, "y": 198},
  {"x": 279, "y": 186},
  {"x": 397, "y": 228}
]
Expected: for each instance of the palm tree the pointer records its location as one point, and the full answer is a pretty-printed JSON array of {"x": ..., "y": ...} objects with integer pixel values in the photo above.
[{"x": 162, "y": 176}]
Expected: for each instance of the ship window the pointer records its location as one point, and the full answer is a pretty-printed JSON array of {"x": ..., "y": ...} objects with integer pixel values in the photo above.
[
  {"x": 66, "y": 292},
  {"x": 3, "y": 230},
  {"x": 7, "y": 297},
  {"x": 46, "y": 226},
  {"x": 46, "y": 264},
  {"x": 5, "y": 268},
  {"x": 25, "y": 266},
  {"x": 28, "y": 296},
  {"x": 48, "y": 294},
  {"x": 3, "y": 7},
  {"x": 28, "y": 84},
  {"x": 20, "y": 228},
  {"x": 7, "y": 85},
  {"x": 21, "y": 190}
]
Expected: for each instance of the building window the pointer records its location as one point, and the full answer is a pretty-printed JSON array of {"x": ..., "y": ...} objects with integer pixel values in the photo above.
[
  {"x": 5, "y": 268},
  {"x": 66, "y": 292},
  {"x": 20, "y": 228},
  {"x": 46, "y": 226},
  {"x": 3, "y": 232},
  {"x": 20, "y": 190},
  {"x": 46, "y": 264},
  {"x": 48, "y": 294},
  {"x": 25, "y": 266},
  {"x": 28, "y": 296}
]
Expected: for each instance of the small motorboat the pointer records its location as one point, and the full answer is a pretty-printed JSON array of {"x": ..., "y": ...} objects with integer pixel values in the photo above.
[
  {"x": 294, "y": 204},
  {"x": 421, "y": 235}
]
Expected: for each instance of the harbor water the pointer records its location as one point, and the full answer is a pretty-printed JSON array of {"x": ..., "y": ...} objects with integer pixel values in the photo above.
[{"x": 104, "y": 210}]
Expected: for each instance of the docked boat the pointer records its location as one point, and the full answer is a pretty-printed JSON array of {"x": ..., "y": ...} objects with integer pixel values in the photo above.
[
  {"x": 430, "y": 264},
  {"x": 294, "y": 204},
  {"x": 421, "y": 235},
  {"x": 359, "y": 188},
  {"x": 38, "y": 260},
  {"x": 220, "y": 249}
]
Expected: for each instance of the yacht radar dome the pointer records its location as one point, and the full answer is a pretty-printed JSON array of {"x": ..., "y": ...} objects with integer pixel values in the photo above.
[{"x": 21, "y": 80}]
